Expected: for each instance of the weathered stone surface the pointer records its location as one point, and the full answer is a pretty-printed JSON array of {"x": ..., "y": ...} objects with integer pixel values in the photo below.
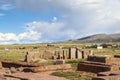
[
  {"x": 13, "y": 70},
  {"x": 95, "y": 67},
  {"x": 117, "y": 77},
  {"x": 85, "y": 54},
  {"x": 32, "y": 56},
  {"x": 72, "y": 53},
  {"x": 117, "y": 55},
  {"x": 60, "y": 62},
  {"x": 99, "y": 58},
  {"x": 47, "y": 55},
  {"x": 1, "y": 65},
  {"x": 78, "y": 54},
  {"x": 109, "y": 73},
  {"x": 51, "y": 68},
  {"x": 8, "y": 64},
  {"x": 2, "y": 77}
]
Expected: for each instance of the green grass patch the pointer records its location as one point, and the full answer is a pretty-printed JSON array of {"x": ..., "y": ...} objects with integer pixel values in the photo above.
[
  {"x": 72, "y": 75},
  {"x": 74, "y": 63}
]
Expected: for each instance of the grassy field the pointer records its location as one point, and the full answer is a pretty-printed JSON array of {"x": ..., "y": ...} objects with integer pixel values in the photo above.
[
  {"x": 18, "y": 52},
  {"x": 74, "y": 75}
]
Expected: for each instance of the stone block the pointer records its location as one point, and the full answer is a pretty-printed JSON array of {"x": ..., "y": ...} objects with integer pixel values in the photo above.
[
  {"x": 93, "y": 67},
  {"x": 60, "y": 62},
  {"x": 51, "y": 68},
  {"x": 32, "y": 56},
  {"x": 109, "y": 73},
  {"x": 72, "y": 53},
  {"x": 1, "y": 65},
  {"x": 78, "y": 54},
  {"x": 99, "y": 58},
  {"x": 117, "y": 77}
]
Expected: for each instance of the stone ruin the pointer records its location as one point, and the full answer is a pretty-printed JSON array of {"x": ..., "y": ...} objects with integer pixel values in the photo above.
[
  {"x": 32, "y": 56},
  {"x": 107, "y": 67},
  {"x": 10, "y": 69},
  {"x": 47, "y": 55},
  {"x": 71, "y": 53},
  {"x": 0, "y": 65}
]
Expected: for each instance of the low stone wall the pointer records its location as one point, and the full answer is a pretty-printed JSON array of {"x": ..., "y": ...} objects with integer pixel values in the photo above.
[
  {"x": 117, "y": 56},
  {"x": 102, "y": 59},
  {"x": 95, "y": 68},
  {"x": 1, "y": 65},
  {"x": 117, "y": 77},
  {"x": 8, "y": 64},
  {"x": 51, "y": 68},
  {"x": 109, "y": 73}
]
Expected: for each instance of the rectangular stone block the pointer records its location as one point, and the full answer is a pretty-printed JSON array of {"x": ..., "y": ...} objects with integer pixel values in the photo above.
[
  {"x": 51, "y": 68},
  {"x": 79, "y": 55},
  {"x": 1, "y": 65},
  {"x": 117, "y": 77},
  {"x": 93, "y": 67},
  {"x": 60, "y": 62},
  {"x": 99, "y": 58},
  {"x": 109, "y": 73},
  {"x": 72, "y": 53}
]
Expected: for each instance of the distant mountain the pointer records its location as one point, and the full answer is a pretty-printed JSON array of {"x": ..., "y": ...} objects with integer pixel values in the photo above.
[{"x": 100, "y": 38}]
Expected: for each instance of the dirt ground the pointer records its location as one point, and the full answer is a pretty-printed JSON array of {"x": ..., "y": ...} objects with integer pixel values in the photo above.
[{"x": 29, "y": 75}]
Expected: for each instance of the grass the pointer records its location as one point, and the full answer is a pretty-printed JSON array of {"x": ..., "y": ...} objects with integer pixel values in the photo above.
[
  {"x": 16, "y": 54},
  {"x": 74, "y": 63},
  {"x": 105, "y": 51},
  {"x": 73, "y": 75}
]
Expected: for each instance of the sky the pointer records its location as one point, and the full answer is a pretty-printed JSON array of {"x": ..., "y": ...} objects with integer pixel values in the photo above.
[{"x": 37, "y": 21}]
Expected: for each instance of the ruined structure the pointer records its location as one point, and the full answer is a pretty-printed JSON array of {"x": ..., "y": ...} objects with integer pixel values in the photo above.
[
  {"x": 47, "y": 55},
  {"x": 107, "y": 67},
  {"x": 109, "y": 75},
  {"x": 71, "y": 53},
  {"x": 1, "y": 65},
  {"x": 51, "y": 68},
  {"x": 32, "y": 56}
]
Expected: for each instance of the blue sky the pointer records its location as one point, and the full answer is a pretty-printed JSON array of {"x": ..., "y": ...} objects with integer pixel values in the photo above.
[{"x": 33, "y": 21}]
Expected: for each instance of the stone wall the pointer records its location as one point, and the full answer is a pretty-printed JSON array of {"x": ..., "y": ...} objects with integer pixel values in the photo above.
[
  {"x": 71, "y": 53},
  {"x": 32, "y": 56},
  {"x": 94, "y": 67},
  {"x": 117, "y": 77},
  {"x": 51, "y": 68},
  {"x": 100, "y": 58},
  {"x": 1, "y": 65}
]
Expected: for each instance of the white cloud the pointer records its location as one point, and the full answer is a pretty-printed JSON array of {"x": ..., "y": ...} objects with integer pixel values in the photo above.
[
  {"x": 75, "y": 18},
  {"x": 29, "y": 36},
  {"x": 76, "y": 10},
  {"x": 48, "y": 30},
  {"x": 8, "y": 37}
]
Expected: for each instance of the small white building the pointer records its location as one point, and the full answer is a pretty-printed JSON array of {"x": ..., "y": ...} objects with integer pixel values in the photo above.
[
  {"x": 99, "y": 47},
  {"x": 6, "y": 49}
]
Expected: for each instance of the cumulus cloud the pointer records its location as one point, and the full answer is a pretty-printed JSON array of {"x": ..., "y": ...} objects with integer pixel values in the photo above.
[
  {"x": 29, "y": 36},
  {"x": 75, "y": 18},
  {"x": 80, "y": 14},
  {"x": 8, "y": 37}
]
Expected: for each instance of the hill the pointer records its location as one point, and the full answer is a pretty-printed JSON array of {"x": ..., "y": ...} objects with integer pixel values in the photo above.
[{"x": 100, "y": 38}]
